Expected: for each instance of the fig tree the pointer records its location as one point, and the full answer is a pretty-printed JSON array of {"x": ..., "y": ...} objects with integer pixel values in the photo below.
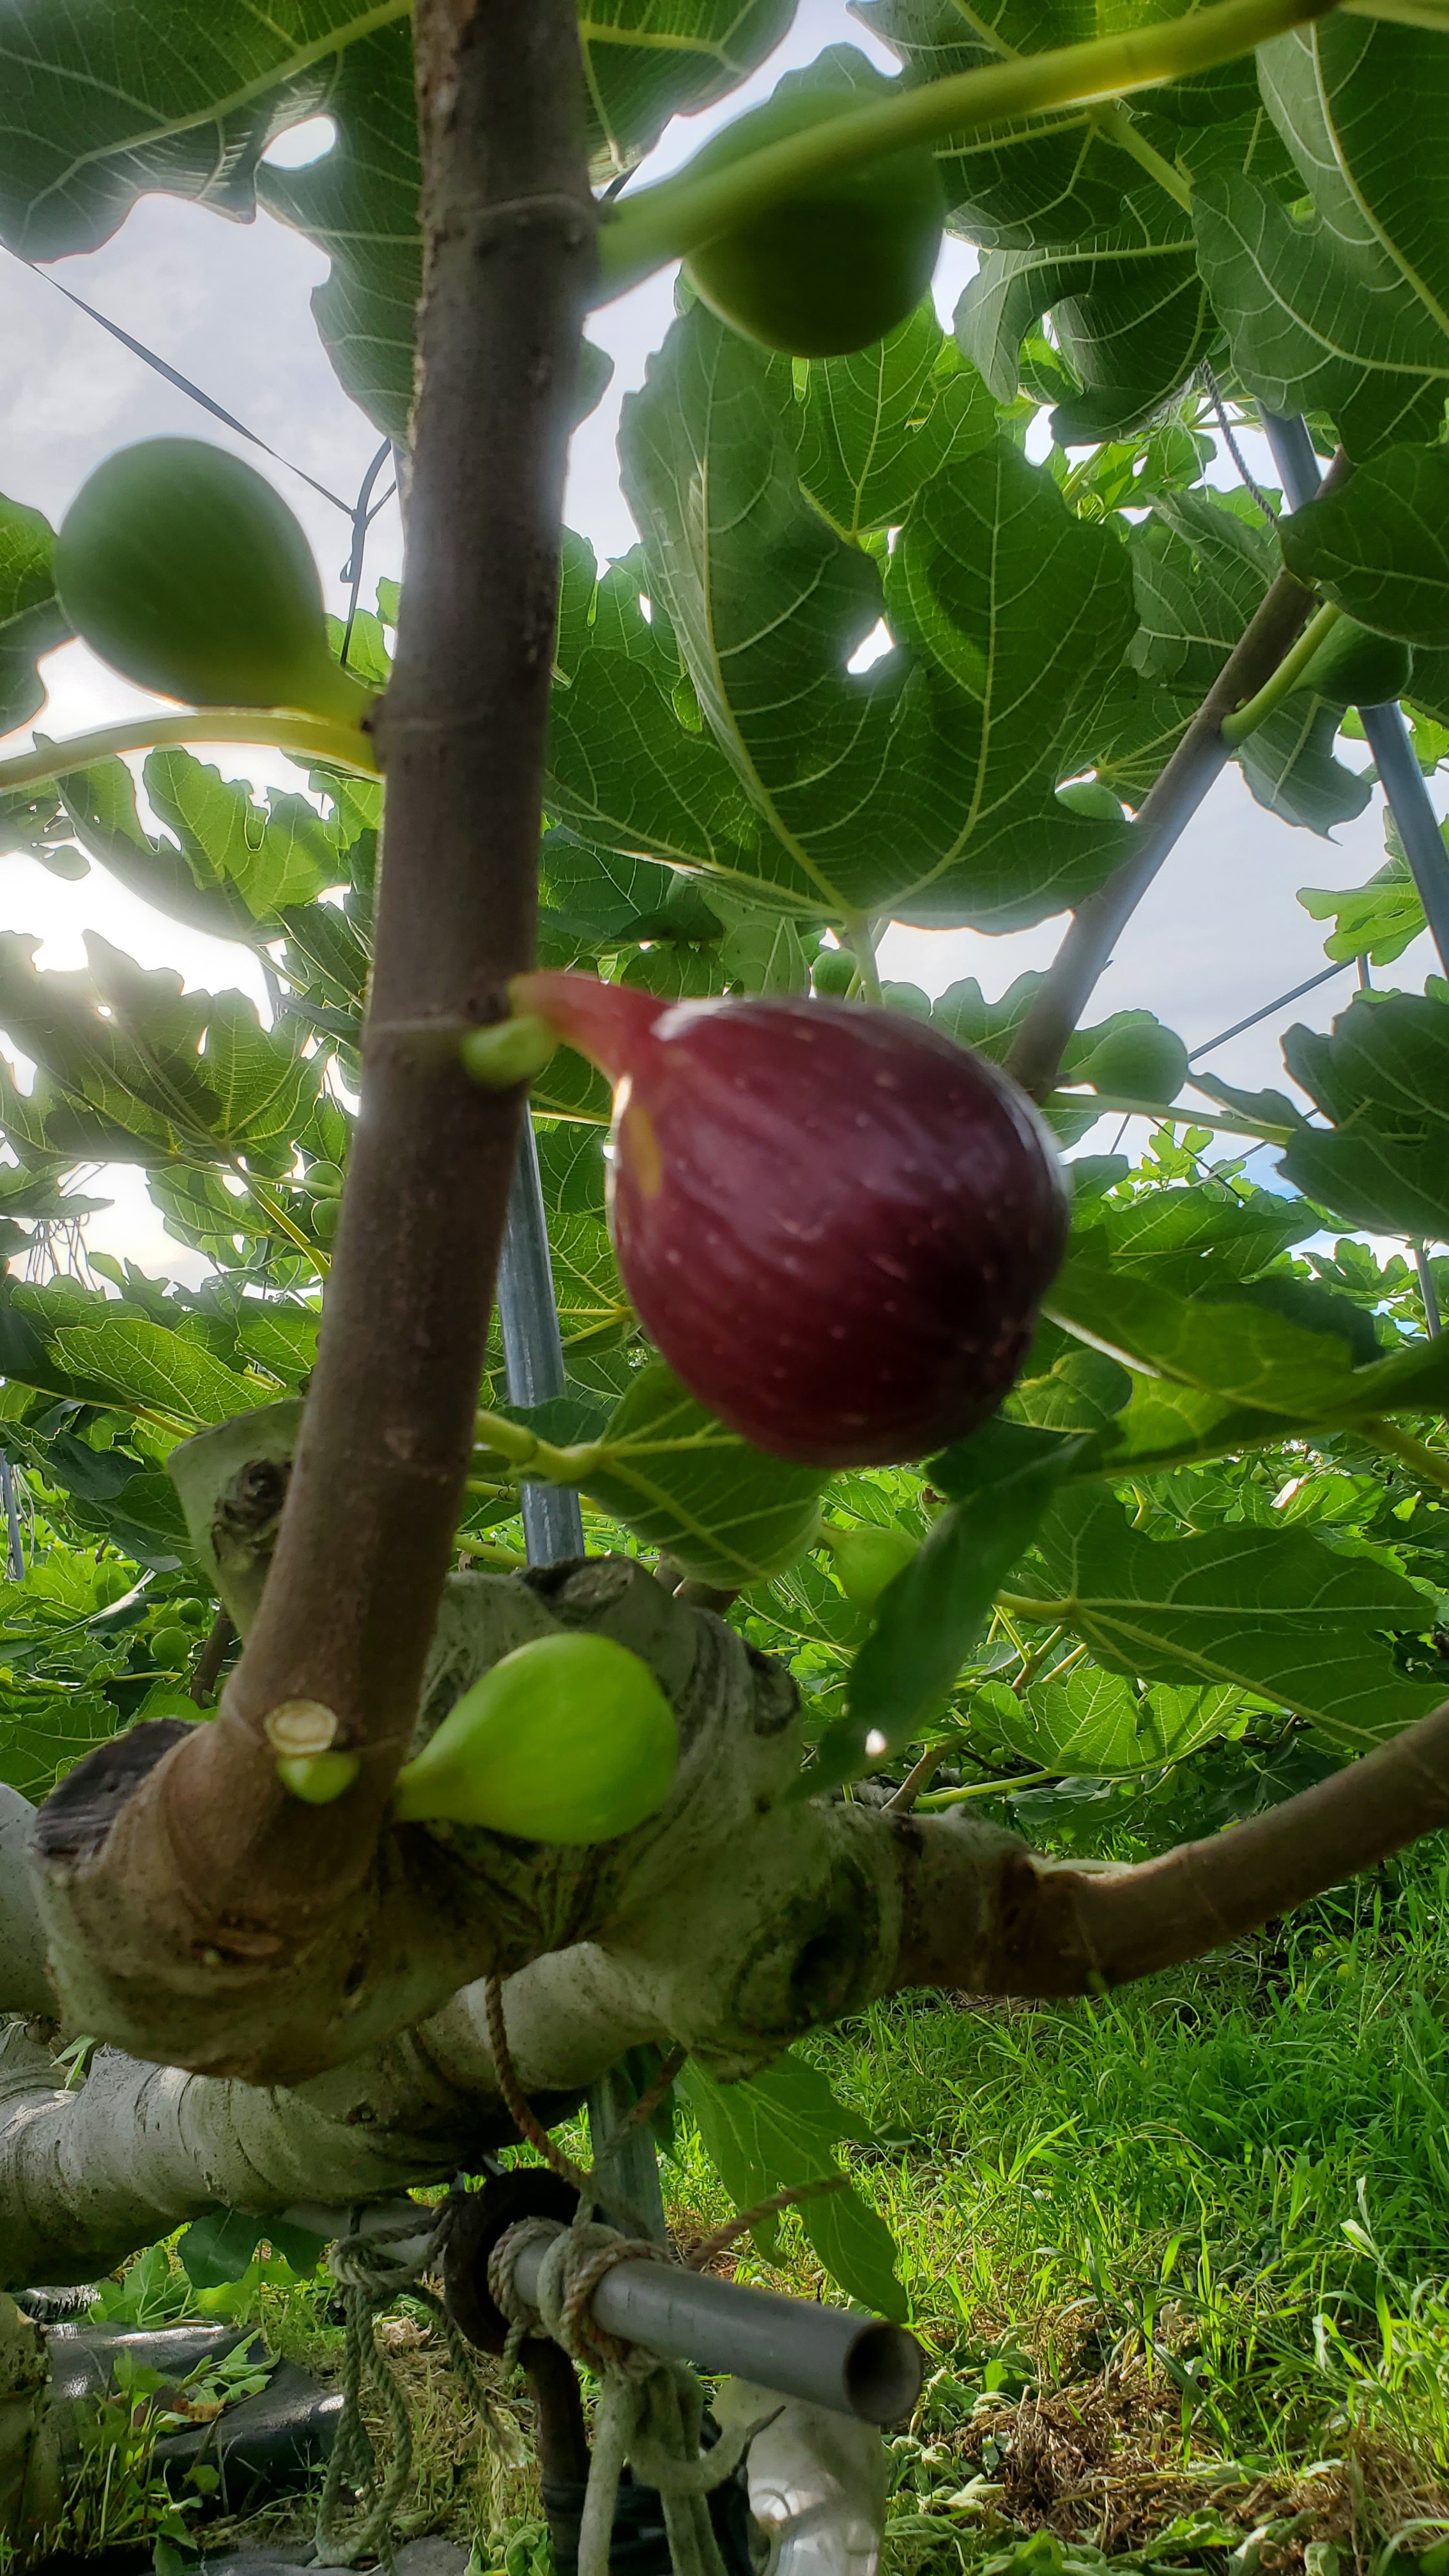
[
  {"x": 838, "y": 263},
  {"x": 836, "y": 1223},
  {"x": 1142, "y": 1061},
  {"x": 567, "y": 1740},
  {"x": 184, "y": 570},
  {"x": 1356, "y": 668}
]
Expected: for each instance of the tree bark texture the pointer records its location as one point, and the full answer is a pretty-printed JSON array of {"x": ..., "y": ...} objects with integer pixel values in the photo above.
[{"x": 211, "y": 1880}]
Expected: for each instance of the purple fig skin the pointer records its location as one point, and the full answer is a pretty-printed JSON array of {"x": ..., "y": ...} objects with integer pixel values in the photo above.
[{"x": 836, "y": 1223}]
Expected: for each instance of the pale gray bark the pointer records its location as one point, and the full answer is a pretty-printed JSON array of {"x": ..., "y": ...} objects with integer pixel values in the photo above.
[{"x": 24, "y": 1985}]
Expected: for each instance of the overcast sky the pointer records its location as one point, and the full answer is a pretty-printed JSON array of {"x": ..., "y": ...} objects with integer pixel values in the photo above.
[{"x": 227, "y": 304}]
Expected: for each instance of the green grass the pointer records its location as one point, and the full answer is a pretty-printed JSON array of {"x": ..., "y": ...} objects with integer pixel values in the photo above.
[
  {"x": 1216, "y": 2205},
  {"x": 1178, "y": 2258}
]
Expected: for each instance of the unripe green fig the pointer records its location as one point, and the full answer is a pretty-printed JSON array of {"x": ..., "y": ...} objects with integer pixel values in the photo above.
[
  {"x": 326, "y": 1218},
  {"x": 505, "y": 1052},
  {"x": 171, "y": 1646},
  {"x": 866, "y": 1560},
  {"x": 835, "y": 266},
  {"x": 1091, "y": 797},
  {"x": 186, "y": 572},
  {"x": 1357, "y": 668},
  {"x": 567, "y": 1740},
  {"x": 192, "y": 1614},
  {"x": 318, "y": 1778},
  {"x": 907, "y": 997},
  {"x": 324, "y": 1180},
  {"x": 834, "y": 972},
  {"x": 1143, "y": 1061}
]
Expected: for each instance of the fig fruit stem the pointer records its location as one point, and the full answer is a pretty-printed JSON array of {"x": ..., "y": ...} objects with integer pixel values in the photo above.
[
  {"x": 1115, "y": 122},
  {"x": 1170, "y": 1114},
  {"x": 545, "y": 1460},
  {"x": 573, "y": 1462},
  {"x": 860, "y": 940},
  {"x": 509, "y": 1559},
  {"x": 276, "y": 1215},
  {"x": 934, "y": 1801},
  {"x": 306, "y": 737},
  {"x": 1245, "y": 720},
  {"x": 678, "y": 215},
  {"x": 1431, "y": 1464},
  {"x": 1399, "y": 13}
]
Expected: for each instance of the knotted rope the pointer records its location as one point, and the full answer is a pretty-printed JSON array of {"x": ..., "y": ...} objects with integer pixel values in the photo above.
[
  {"x": 371, "y": 2271},
  {"x": 650, "y": 2410}
]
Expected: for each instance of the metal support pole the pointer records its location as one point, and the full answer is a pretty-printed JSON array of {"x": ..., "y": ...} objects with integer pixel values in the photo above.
[
  {"x": 835, "y": 2357},
  {"x": 1388, "y": 739},
  {"x": 1385, "y": 731},
  {"x": 533, "y": 1361},
  {"x": 1294, "y": 455},
  {"x": 14, "y": 1545},
  {"x": 553, "y": 1527}
]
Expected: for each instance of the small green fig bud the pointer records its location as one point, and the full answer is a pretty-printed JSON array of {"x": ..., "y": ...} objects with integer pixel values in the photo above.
[
  {"x": 907, "y": 997},
  {"x": 184, "y": 570},
  {"x": 324, "y": 1180},
  {"x": 1090, "y": 796},
  {"x": 509, "y": 1051},
  {"x": 834, "y": 972},
  {"x": 567, "y": 1740},
  {"x": 171, "y": 1645},
  {"x": 1139, "y": 1062},
  {"x": 866, "y": 1560},
  {"x": 318, "y": 1778},
  {"x": 326, "y": 1218}
]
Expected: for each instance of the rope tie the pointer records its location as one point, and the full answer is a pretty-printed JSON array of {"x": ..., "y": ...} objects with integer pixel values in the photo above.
[
  {"x": 650, "y": 2410},
  {"x": 370, "y": 2272}
]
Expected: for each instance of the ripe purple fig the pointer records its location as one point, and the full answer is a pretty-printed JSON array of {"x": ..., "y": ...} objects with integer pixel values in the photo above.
[{"x": 836, "y": 1223}]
